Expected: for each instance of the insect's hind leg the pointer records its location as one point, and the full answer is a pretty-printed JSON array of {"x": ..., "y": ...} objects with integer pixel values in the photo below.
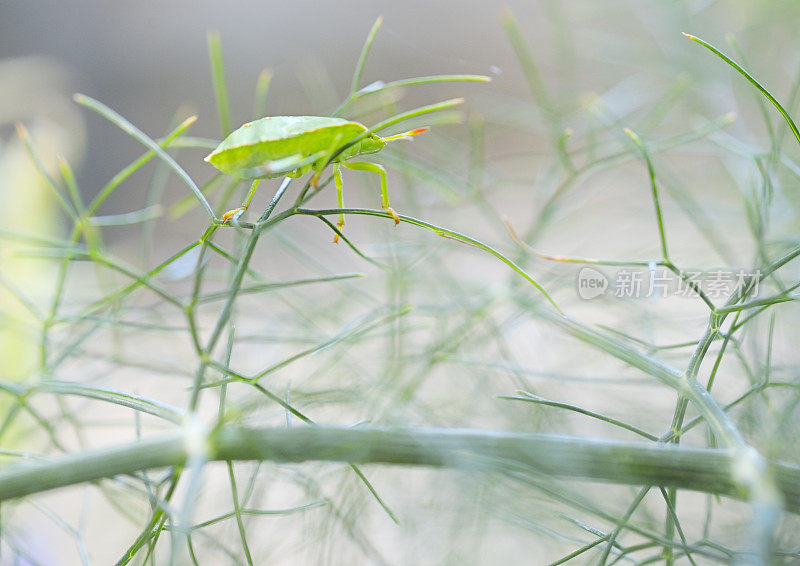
[
  {"x": 381, "y": 172},
  {"x": 337, "y": 180},
  {"x": 237, "y": 212}
]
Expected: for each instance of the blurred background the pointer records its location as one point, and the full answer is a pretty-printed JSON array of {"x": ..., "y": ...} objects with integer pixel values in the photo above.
[
  {"x": 534, "y": 163},
  {"x": 146, "y": 59}
]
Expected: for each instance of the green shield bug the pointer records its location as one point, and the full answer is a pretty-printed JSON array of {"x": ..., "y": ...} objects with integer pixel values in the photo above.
[{"x": 291, "y": 146}]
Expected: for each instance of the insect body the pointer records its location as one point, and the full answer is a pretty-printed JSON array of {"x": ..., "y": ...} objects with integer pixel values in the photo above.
[{"x": 291, "y": 146}]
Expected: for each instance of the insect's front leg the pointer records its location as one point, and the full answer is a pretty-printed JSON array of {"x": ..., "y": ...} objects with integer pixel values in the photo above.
[
  {"x": 237, "y": 212},
  {"x": 381, "y": 172}
]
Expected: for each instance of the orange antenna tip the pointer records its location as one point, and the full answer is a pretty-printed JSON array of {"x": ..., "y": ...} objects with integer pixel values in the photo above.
[{"x": 406, "y": 135}]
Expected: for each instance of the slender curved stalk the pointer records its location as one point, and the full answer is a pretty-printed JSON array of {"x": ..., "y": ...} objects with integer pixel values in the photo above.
[
  {"x": 444, "y": 232},
  {"x": 752, "y": 80}
]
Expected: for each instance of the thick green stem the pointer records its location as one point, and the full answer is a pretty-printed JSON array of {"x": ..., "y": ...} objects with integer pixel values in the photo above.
[{"x": 700, "y": 469}]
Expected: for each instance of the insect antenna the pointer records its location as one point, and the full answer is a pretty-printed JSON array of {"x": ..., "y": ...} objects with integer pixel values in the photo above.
[{"x": 406, "y": 135}]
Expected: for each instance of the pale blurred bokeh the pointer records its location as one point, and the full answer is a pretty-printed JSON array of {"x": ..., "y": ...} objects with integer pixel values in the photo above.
[{"x": 35, "y": 92}]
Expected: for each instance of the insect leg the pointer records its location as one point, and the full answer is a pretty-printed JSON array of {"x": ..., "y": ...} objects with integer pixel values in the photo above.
[
  {"x": 381, "y": 172},
  {"x": 328, "y": 156},
  {"x": 337, "y": 180},
  {"x": 236, "y": 212},
  {"x": 315, "y": 178}
]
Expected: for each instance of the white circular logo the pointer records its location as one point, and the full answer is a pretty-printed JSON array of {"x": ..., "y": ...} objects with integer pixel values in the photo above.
[{"x": 591, "y": 283}]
